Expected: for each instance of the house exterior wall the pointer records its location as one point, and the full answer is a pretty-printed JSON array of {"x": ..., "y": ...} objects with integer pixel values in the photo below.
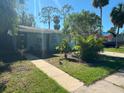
[
  {"x": 39, "y": 41},
  {"x": 54, "y": 40}
]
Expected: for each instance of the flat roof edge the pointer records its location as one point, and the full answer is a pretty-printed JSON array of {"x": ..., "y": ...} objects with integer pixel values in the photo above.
[{"x": 36, "y": 30}]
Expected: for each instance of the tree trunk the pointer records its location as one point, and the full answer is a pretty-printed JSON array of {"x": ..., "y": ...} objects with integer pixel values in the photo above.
[
  {"x": 49, "y": 24},
  {"x": 65, "y": 55},
  {"x": 64, "y": 17},
  {"x": 117, "y": 46},
  {"x": 101, "y": 20}
]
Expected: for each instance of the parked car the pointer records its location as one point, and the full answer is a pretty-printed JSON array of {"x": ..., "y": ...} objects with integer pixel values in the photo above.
[{"x": 109, "y": 44}]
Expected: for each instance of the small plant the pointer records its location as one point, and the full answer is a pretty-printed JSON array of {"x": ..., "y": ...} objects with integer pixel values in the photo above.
[{"x": 64, "y": 47}]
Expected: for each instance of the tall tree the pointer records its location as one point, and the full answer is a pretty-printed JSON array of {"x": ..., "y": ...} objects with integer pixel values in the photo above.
[
  {"x": 56, "y": 21},
  {"x": 8, "y": 16},
  {"x": 66, "y": 9},
  {"x": 47, "y": 14},
  {"x": 84, "y": 23},
  {"x": 8, "y": 24},
  {"x": 100, "y": 4},
  {"x": 26, "y": 19},
  {"x": 112, "y": 31},
  {"x": 21, "y": 1},
  {"x": 117, "y": 18}
]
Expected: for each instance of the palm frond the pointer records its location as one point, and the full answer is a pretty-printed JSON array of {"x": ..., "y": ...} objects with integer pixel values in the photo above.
[
  {"x": 95, "y": 3},
  {"x": 117, "y": 15}
]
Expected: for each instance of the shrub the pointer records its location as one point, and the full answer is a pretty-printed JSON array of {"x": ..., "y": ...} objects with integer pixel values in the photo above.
[
  {"x": 88, "y": 47},
  {"x": 64, "y": 47}
]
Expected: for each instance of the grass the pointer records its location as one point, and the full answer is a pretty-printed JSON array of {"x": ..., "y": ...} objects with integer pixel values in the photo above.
[
  {"x": 24, "y": 77},
  {"x": 89, "y": 72},
  {"x": 119, "y": 50}
]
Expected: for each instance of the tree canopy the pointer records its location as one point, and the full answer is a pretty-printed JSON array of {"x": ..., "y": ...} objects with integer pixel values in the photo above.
[
  {"x": 65, "y": 10},
  {"x": 47, "y": 14},
  {"x": 117, "y": 18},
  {"x": 26, "y": 19},
  {"x": 84, "y": 23},
  {"x": 117, "y": 15},
  {"x": 8, "y": 16},
  {"x": 99, "y": 4},
  {"x": 56, "y": 21}
]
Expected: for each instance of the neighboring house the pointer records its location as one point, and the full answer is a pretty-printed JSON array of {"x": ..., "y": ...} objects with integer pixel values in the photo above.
[
  {"x": 111, "y": 40},
  {"x": 107, "y": 36},
  {"x": 38, "y": 40},
  {"x": 120, "y": 38}
]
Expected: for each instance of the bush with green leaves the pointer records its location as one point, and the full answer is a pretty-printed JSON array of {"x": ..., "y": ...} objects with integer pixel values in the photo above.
[
  {"x": 88, "y": 48},
  {"x": 64, "y": 47}
]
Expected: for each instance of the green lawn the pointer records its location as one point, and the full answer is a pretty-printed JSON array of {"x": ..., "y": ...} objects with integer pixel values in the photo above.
[
  {"x": 89, "y": 72},
  {"x": 24, "y": 77},
  {"x": 120, "y": 50}
]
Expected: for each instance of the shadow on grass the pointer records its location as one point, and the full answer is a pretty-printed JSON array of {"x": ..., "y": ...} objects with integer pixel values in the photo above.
[
  {"x": 102, "y": 60},
  {"x": 5, "y": 61},
  {"x": 10, "y": 58},
  {"x": 108, "y": 62}
]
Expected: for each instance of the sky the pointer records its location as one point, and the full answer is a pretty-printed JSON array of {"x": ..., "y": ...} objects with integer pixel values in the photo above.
[{"x": 34, "y": 7}]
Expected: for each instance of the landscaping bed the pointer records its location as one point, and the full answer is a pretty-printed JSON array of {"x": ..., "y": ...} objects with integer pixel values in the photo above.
[
  {"x": 90, "y": 71},
  {"x": 24, "y": 77}
]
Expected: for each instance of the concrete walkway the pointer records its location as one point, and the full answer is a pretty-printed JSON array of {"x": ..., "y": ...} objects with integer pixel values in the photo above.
[
  {"x": 66, "y": 81},
  {"x": 111, "y": 84},
  {"x": 114, "y": 54}
]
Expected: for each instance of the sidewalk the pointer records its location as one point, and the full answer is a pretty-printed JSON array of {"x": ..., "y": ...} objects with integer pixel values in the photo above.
[
  {"x": 111, "y": 84},
  {"x": 66, "y": 81},
  {"x": 114, "y": 54}
]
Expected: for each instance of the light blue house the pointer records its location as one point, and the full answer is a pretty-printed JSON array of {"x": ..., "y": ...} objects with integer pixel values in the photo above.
[{"x": 36, "y": 40}]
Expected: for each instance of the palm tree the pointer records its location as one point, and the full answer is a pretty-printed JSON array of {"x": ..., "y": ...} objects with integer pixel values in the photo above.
[
  {"x": 117, "y": 18},
  {"x": 99, "y": 4},
  {"x": 113, "y": 31},
  {"x": 47, "y": 14}
]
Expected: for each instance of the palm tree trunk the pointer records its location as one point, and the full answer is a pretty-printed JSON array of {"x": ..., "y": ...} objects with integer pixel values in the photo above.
[
  {"x": 49, "y": 22},
  {"x": 117, "y": 46},
  {"x": 49, "y": 25},
  {"x": 101, "y": 20}
]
